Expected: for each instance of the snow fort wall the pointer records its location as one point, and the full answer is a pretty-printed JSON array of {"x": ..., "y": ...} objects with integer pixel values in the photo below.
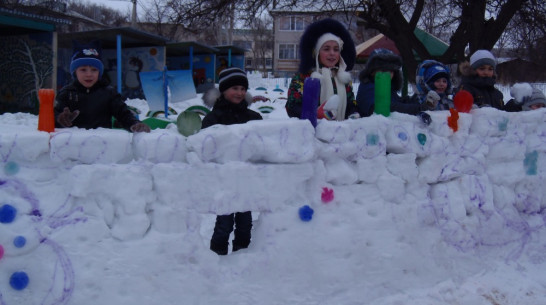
[{"x": 78, "y": 186}]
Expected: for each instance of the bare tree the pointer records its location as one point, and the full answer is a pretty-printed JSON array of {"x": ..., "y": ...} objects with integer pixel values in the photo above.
[
  {"x": 467, "y": 25},
  {"x": 158, "y": 14},
  {"x": 31, "y": 61},
  {"x": 261, "y": 34},
  {"x": 98, "y": 13},
  {"x": 525, "y": 36}
]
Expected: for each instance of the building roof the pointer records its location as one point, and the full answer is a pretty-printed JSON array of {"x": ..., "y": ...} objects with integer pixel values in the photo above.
[
  {"x": 130, "y": 38},
  {"x": 225, "y": 49},
  {"x": 15, "y": 22},
  {"x": 434, "y": 45},
  {"x": 183, "y": 48}
]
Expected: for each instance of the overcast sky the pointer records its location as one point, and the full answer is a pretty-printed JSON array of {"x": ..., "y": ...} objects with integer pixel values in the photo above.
[{"x": 124, "y": 6}]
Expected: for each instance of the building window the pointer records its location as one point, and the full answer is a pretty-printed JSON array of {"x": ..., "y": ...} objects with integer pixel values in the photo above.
[
  {"x": 288, "y": 51},
  {"x": 248, "y": 62},
  {"x": 269, "y": 62},
  {"x": 292, "y": 23},
  {"x": 247, "y": 45}
]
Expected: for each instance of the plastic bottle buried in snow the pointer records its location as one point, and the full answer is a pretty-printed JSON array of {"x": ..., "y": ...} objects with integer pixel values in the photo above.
[
  {"x": 383, "y": 93},
  {"x": 311, "y": 97},
  {"x": 46, "y": 118}
]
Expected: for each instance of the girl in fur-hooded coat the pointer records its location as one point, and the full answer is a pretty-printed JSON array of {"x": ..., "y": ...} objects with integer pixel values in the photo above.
[
  {"x": 334, "y": 80},
  {"x": 481, "y": 84},
  {"x": 386, "y": 61}
]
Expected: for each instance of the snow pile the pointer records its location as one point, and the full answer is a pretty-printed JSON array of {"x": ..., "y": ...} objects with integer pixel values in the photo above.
[{"x": 402, "y": 213}]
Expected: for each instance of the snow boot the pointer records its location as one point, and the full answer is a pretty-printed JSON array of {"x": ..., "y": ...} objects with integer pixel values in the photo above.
[
  {"x": 238, "y": 245},
  {"x": 218, "y": 248}
]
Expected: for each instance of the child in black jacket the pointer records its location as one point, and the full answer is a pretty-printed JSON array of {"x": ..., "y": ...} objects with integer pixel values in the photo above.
[
  {"x": 230, "y": 106},
  {"x": 478, "y": 78},
  {"x": 89, "y": 102}
]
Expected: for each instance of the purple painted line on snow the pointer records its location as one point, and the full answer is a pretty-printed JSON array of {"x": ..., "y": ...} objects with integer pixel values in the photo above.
[
  {"x": 68, "y": 275},
  {"x": 206, "y": 140},
  {"x": 10, "y": 150}
]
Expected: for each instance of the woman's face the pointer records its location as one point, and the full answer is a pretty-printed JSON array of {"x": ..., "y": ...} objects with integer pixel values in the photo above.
[{"x": 329, "y": 54}]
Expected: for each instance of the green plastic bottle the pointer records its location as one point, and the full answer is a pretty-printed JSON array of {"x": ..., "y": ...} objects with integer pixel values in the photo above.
[{"x": 383, "y": 93}]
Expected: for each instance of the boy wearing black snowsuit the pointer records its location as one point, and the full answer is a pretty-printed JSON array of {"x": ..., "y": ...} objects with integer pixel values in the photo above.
[{"x": 230, "y": 106}]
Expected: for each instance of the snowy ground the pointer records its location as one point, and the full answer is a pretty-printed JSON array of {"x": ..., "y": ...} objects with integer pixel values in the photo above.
[{"x": 107, "y": 217}]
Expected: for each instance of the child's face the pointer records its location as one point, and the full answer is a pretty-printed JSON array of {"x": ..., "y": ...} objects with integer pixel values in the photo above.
[
  {"x": 329, "y": 54},
  {"x": 537, "y": 106},
  {"x": 440, "y": 85},
  {"x": 485, "y": 71},
  {"x": 235, "y": 94},
  {"x": 87, "y": 75}
]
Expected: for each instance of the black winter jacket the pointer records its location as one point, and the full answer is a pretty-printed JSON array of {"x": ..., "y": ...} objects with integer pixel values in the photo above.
[
  {"x": 97, "y": 106},
  {"x": 482, "y": 88},
  {"x": 227, "y": 113}
]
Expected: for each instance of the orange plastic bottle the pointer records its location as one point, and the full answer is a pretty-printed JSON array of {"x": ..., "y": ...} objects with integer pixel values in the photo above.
[{"x": 46, "y": 118}]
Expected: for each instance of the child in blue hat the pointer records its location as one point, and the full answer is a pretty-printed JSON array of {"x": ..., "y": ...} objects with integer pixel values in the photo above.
[
  {"x": 433, "y": 82},
  {"x": 89, "y": 101}
]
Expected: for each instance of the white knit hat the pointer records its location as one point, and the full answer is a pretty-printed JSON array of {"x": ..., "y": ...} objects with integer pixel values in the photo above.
[{"x": 482, "y": 57}]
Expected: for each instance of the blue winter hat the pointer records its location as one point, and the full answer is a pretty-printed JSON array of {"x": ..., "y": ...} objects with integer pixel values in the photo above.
[
  {"x": 87, "y": 55},
  {"x": 428, "y": 72}
]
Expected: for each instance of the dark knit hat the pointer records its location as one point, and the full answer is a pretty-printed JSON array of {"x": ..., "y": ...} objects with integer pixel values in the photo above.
[
  {"x": 383, "y": 60},
  {"x": 482, "y": 57},
  {"x": 87, "y": 55},
  {"x": 311, "y": 36},
  {"x": 232, "y": 77}
]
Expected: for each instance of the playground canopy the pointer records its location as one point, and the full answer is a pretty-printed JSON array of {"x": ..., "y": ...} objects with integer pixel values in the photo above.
[{"x": 433, "y": 44}]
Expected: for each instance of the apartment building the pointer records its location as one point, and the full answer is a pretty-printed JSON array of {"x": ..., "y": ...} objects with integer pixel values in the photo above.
[
  {"x": 289, "y": 25},
  {"x": 258, "y": 45}
]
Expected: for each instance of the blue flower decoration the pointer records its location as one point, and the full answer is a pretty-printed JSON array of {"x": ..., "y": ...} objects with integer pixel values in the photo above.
[{"x": 306, "y": 213}]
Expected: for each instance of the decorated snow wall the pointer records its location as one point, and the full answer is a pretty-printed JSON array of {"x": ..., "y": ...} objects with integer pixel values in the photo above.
[{"x": 93, "y": 186}]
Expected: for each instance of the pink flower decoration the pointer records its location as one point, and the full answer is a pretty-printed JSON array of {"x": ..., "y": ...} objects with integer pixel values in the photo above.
[{"x": 327, "y": 195}]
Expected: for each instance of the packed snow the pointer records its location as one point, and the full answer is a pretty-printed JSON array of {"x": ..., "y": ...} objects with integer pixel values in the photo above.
[{"x": 378, "y": 210}]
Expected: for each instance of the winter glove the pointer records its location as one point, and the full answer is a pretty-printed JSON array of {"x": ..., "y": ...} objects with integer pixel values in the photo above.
[
  {"x": 66, "y": 117},
  {"x": 328, "y": 110},
  {"x": 432, "y": 100},
  {"x": 140, "y": 127},
  {"x": 425, "y": 118}
]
